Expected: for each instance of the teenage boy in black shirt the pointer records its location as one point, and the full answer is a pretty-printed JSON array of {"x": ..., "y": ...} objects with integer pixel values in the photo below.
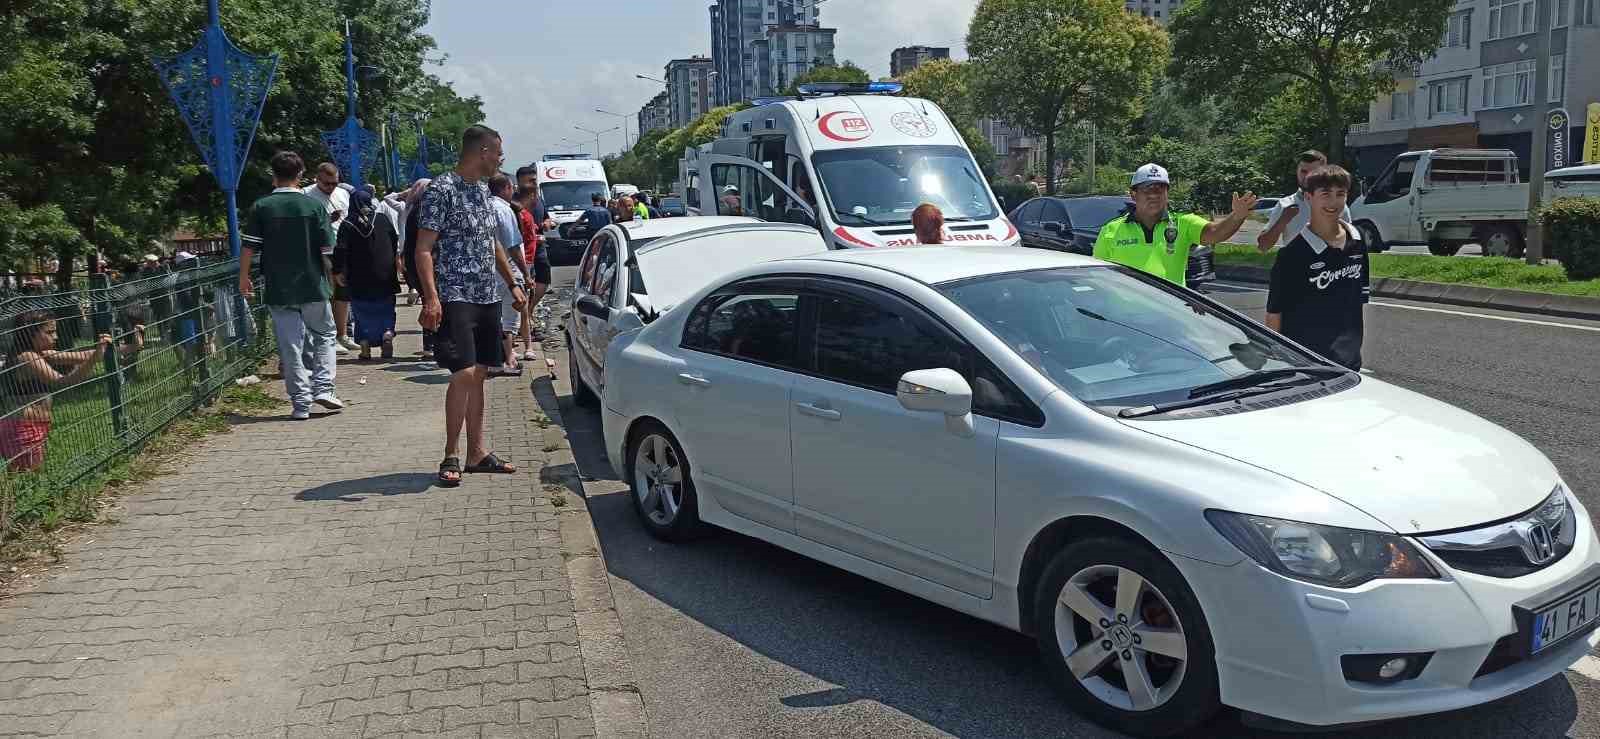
[{"x": 1321, "y": 279}]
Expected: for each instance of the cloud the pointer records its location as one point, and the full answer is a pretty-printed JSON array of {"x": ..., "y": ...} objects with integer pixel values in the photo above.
[
  {"x": 543, "y": 67},
  {"x": 870, "y": 29}
]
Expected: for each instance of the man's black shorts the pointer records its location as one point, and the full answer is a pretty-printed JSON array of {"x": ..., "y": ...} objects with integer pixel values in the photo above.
[
  {"x": 541, "y": 266},
  {"x": 469, "y": 335}
]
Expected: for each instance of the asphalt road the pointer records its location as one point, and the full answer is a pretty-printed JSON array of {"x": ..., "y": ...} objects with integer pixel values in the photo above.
[{"x": 732, "y": 637}]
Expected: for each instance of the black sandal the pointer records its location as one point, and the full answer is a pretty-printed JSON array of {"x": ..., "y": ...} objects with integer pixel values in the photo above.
[
  {"x": 491, "y": 465},
  {"x": 450, "y": 465}
]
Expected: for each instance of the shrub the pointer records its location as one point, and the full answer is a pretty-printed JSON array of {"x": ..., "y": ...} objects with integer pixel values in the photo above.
[
  {"x": 1574, "y": 229},
  {"x": 1011, "y": 193}
]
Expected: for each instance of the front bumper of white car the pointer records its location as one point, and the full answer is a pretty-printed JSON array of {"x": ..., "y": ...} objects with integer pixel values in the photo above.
[{"x": 1280, "y": 642}]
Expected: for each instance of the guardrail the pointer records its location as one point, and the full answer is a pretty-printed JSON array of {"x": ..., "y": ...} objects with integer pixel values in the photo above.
[{"x": 68, "y": 410}]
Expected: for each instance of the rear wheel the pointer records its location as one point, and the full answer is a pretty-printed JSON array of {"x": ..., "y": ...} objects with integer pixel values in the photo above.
[
  {"x": 1125, "y": 639},
  {"x": 1500, "y": 240}
]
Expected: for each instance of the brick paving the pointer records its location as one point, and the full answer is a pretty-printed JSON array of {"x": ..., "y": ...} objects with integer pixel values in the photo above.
[{"x": 306, "y": 579}]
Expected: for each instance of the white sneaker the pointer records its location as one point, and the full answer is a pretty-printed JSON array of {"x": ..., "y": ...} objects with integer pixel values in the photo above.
[
  {"x": 340, "y": 349},
  {"x": 348, "y": 344},
  {"x": 529, "y": 357},
  {"x": 329, "y": 401},
  {"x": 301, "y": 414}
]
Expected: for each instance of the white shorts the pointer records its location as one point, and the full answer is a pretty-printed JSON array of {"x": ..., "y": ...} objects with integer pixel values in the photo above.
[{"x": 510, "y": 317}]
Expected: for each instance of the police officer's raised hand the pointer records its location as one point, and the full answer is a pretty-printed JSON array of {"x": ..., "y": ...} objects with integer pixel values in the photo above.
[{"x": 1243, "y": 204}]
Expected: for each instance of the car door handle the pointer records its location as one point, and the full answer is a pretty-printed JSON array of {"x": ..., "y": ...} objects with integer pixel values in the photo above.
[
  {"x": 826, "y": 414},
  {"x": 696, "y": 380}
]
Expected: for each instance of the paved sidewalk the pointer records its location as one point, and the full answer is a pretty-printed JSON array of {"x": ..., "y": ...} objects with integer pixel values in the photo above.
[{"x": 307, "y": 579}]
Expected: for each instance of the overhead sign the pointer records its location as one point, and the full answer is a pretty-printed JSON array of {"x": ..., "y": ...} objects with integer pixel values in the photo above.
[
  {"x": 1591, "y": 135},
  {"x": 1558, "y": 129}
]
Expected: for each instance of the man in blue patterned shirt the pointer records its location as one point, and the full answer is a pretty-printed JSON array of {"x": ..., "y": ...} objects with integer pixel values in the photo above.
[{"x": 461, "y": 264}]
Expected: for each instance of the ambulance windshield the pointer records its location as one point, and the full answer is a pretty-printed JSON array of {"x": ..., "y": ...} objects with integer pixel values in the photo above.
[{"x": 881, "y": 185}]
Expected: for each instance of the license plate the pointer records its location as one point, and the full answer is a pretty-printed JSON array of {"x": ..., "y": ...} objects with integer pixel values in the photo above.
[{"x": 1573, "y": 614}]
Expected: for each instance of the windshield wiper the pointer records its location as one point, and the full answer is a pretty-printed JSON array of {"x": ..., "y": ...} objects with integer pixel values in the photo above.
[
  {"x": 1262, "y": 377},
  {"x": 956, "y": 219},
  {"x": 868, "y": 221}
]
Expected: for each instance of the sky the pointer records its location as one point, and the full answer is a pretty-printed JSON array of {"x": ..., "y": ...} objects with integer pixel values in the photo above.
[{"x": 542, "y": 68}]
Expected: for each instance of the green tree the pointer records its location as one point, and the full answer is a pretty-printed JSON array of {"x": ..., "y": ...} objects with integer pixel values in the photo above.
[
  {"x": 93, "y": 155},
  {"x": 1341, "y": 49},
  {"x": 1043, "y": 64},
  {"x": 845, "y": 72},
  {"x": 945, "y": 83}
]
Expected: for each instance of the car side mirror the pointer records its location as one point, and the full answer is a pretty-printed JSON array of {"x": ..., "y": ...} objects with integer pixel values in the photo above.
[
  {"x": 592, "y": 307},
  {"x": 938, "y": 391},
  {"x": 642, "y": 306},
  {"x": 1053, "y": 226}
]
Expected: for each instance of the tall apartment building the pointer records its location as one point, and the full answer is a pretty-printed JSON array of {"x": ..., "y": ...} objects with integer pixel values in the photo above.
[
  {"x": 689, "y": 93},
  {"x": 1159, "y": 11},
  {"x": 907, "y": 58},
  {"x": 745, "y": 52},
  {"x": 655, "y": 114},
  {"x": 1477, "y": 90}
]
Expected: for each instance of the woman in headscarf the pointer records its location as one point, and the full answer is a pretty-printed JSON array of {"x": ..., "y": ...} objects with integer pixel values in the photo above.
[
  {"x": 365, "y": 262},
  {"x": 409, "y": 253},
  {"x": 928, "y": 221}
]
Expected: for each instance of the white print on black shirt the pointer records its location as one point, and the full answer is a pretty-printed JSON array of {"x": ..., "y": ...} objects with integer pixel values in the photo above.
[{"x": 1328, "y": 277}]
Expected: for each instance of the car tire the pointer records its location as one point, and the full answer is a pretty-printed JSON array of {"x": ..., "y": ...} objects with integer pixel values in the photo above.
[
  {"x": 1183, "y": 684},
  {"x": 1440, "y": 248},
  {"x": 661, "y": 485},
  {"x": 1370, "y": 235},
  {"x": 1500, "y": 240},
  {"x": 581, "y": 394}
]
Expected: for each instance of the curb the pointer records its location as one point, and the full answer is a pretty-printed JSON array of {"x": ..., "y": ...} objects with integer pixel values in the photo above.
[
  {"x": 1472, "y": 296},
  {"x": 614, "y": 699}
]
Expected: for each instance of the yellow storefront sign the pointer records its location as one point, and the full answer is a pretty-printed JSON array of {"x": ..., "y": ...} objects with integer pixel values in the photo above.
[{"x": 1591, "y": 135}]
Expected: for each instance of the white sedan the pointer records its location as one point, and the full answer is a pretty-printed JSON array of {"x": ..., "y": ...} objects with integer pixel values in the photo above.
[
  {"x": 635, "y": 271},
  {"x": 1185, "y": 509}
]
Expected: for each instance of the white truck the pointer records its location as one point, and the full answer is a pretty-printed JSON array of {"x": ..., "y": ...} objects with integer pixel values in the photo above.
[
  {"x": 1447, "y": 198},
  {"x": 852, "y": 160}
]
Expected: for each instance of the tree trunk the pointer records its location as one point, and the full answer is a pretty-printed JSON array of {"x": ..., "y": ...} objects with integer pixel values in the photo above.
[
  {"x": 1334, "y": 124},
  {"x": 65, "y": 256},
  {"x": 1050, "y": 162}
]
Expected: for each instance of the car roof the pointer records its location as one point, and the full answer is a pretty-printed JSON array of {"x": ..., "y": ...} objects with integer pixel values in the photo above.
[
  {"x": 935, "y": 264},
  {"x": 702, "y": 226},
  {"x": 660, "y": 228}
]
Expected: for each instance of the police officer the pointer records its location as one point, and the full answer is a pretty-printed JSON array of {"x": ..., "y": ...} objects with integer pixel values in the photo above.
[{"x": 1150, "y": 238}]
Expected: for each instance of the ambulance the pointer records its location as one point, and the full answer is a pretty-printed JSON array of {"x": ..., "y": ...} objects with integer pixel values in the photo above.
[
  {"x": 567, "y": 183},
  {"x": 851, "y": 159}
]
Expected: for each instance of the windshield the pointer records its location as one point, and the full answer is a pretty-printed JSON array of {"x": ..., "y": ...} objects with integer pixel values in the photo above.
[
  {"x": 1113, "y": 338},
  {"x": 570, "y": 195},
  {"x": 1094, "y": 213},
  {"x": 881, "y": 185}
]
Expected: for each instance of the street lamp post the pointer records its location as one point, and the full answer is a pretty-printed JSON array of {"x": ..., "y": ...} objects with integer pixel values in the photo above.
[
  {"x": 352, "y": 146},
  {"x": 596, "y": 135},
  {"x": 625, "y": 142}
]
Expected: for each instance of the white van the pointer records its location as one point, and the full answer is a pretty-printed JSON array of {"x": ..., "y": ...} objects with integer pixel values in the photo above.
[
  {"x": 566, "y": 185},
  {"x": 873, "y": 158}
]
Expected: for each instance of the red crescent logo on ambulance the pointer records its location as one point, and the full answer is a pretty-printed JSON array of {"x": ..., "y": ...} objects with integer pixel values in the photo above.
[
  {"x": 555, "y": 173},
  {"x": 1011, "y": 231},
  {"x": 851, "y": 127}
]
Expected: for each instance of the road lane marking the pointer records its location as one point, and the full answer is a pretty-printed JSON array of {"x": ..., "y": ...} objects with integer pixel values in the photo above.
[
  {"x": 1588, "y": 666},
  {"x": 1447, "y": 311}
]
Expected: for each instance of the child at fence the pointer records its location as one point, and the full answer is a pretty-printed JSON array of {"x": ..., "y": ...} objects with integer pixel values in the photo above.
[{"x": 32, "y": 373}]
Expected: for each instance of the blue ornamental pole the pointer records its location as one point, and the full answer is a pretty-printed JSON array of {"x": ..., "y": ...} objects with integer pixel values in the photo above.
[
  {"x": 397, "y": 173},
  {"x": 351, "y": 145},
  {"x": 419, "y": 168},
  {"x": 219, "y": 91}
]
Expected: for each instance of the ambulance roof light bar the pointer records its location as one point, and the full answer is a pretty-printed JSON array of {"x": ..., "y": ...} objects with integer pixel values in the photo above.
[{"x": 817, "y": 89}]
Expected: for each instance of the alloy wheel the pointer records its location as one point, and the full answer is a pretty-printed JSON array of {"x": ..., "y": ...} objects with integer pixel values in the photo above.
[
  {"x": 1121, "y": 637},
  {"x": 658, "y": 479}
]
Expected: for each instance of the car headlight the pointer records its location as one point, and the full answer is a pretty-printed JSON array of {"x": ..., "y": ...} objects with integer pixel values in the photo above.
[{"x": 1325, "y": 555}]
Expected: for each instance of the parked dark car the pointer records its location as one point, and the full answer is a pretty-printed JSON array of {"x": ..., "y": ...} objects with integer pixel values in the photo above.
[
  {"x": 673, "y": 207},
  {"x": 1073, "y": 224}
]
